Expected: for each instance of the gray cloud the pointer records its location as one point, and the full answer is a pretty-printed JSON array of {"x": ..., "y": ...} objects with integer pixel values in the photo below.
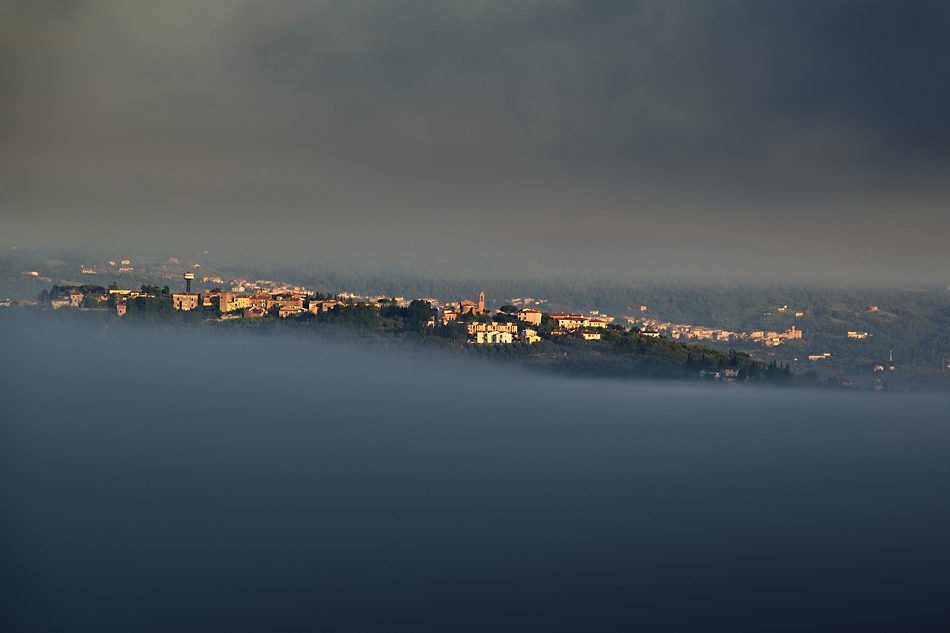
[{"x": 693, "y": 123}]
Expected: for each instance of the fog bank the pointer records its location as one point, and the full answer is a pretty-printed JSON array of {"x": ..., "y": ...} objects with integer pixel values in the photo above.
[{"x": 159, "y": 481}]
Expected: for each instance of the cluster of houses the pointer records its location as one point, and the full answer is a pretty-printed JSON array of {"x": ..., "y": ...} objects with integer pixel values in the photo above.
[
  {"x": 720, "y": 374},
  {"x": 770, "y": 339},
  {"x": 284, "y": 301},
  {"x": 73, "y": 299},
  {"x": 479, "y": 332},
  {"x": 246, "y": 286},
  {"x": 588, "y": 328},
  {"x": 258, "y": 304},
  {"x": 287, "y": 302},
  {"x": 697, "y": 332},
  {"x": 525, "y": 301},
  {"x": 576, "y": 325}
]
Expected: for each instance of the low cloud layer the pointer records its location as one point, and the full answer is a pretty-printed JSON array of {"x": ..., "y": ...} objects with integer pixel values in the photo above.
[{"x": 156, "y": 481}]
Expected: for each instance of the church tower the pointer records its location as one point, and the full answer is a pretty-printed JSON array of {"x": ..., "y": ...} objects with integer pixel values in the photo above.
[{"x": 481, "y": 302}]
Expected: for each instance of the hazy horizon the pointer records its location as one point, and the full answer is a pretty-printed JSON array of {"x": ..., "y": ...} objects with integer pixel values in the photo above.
[{"x": 805, "y": 141}]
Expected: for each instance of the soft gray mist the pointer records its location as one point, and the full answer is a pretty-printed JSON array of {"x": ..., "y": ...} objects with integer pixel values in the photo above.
[{"x": 160, "y": 482}]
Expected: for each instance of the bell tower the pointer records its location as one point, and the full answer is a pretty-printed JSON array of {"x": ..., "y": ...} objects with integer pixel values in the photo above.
[{"x": 481, "y": 301}]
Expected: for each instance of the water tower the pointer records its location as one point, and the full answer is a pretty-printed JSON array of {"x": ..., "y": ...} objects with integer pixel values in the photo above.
[{"x": 188, "y": 278}]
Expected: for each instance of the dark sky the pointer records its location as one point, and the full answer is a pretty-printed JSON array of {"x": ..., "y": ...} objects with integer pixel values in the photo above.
[{"x": 805, "y": 139}]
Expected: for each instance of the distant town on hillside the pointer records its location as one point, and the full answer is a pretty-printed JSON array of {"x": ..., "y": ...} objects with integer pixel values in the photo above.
[{"x": 861, "y": 337}]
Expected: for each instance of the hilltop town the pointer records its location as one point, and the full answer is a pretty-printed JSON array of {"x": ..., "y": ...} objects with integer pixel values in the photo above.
[
  {"x": 516, "y": 332},
  {"x": 510, "y": 324},
  {"x": 261, "y": 298},
  {"x": 245, "y": 298},
  {"x": 870, "y": 334},
  {"x": 507, "y": 325}
]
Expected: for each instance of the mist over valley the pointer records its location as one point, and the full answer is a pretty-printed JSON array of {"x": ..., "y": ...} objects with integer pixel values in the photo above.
[{"x": 157, "y": 481}]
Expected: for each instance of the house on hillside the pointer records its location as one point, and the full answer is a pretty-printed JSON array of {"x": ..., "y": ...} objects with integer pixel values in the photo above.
[
  {"x": 324, "y": 306},
  {"x": 531, "y": 316},
  {"x": 730, "y": 374},
  {"x": 493, "y": 337},
  {"x": 447, "y": 314},
  {"x": 186, "y": 301},
  {"x": 288, "y": 309},
  {"x": 569, "y": 321},
  {"x": 511, "y": 328}
]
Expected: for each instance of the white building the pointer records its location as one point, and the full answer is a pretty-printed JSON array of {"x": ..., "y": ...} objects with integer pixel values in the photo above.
[
  {"x": 511, "y": 328},
  {"x": 570, "y": 321},
  {"x": 493, "y": 337},
  {"x": 531, "y": 316}
]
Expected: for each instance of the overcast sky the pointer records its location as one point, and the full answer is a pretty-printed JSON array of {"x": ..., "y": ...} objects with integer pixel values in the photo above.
[{"x": 807, "y": 137}]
